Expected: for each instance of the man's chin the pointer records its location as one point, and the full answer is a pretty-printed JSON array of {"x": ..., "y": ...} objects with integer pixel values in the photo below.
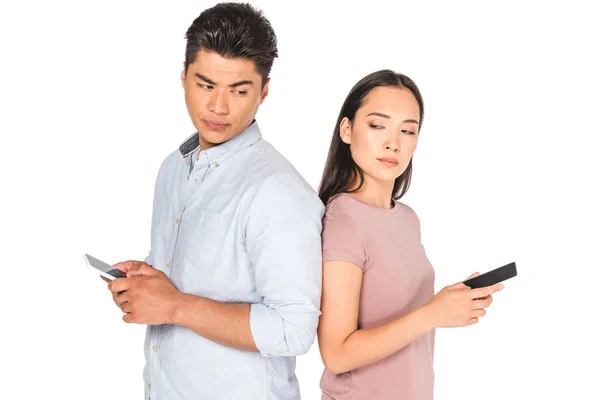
[{"x": 211, "y": 139}]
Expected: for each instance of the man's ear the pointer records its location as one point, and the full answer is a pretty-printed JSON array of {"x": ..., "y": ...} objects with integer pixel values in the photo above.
[
  {"x": 183, "y": 73},
  {"x": 265, "y": 91}
]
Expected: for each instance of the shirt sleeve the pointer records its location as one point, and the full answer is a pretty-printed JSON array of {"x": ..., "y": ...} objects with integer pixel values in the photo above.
[
  {"x": 283, "y": 241},
  {"x": 342, "y": 241},
  {"x": 157, "y": 183},
  {"x": 149, "y": 259}
]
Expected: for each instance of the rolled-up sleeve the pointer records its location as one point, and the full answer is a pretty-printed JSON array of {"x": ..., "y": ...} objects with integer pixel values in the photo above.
[
  {"x": 149, "y": 259},
  {"x": 283, "y": 241}
]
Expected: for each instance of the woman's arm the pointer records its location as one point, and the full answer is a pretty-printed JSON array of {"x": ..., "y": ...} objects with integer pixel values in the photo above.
[{"x": 345, "y": 347}]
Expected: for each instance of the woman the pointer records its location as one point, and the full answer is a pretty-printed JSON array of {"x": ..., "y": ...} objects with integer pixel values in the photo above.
[{"x": 379, "y": 312}]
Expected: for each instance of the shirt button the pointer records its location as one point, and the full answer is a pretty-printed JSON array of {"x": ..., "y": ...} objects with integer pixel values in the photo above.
[
  {"x": 216, "y": 164},
  {"x": 177, "y": 220},
  {"x": 168, "y": 265},
  {"x": 149, "y": 386},
  {"x": 154, "y": 348}
]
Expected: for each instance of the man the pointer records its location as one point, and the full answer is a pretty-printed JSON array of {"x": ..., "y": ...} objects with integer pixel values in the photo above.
[{"x": 231, "y": 288}]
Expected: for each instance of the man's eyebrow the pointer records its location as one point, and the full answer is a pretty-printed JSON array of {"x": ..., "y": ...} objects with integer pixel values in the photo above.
[
  {"x": 236, "y": 84},
  {"x": 240, "y": 83},
  {"x": 378, "y": 114},
  {"x": 205, "y": 79}
]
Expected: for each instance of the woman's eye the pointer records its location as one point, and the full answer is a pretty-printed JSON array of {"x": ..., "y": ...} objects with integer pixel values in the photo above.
[
  {"x": 407, "y": 131},
  {"x": 374, "y": 126}
]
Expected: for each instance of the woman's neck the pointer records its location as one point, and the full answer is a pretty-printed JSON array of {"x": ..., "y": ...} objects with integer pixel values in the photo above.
[{"x": 375, "y": 193}]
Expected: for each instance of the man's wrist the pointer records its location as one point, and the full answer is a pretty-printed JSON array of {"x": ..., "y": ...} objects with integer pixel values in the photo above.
[{"x": 179, "y": 308}]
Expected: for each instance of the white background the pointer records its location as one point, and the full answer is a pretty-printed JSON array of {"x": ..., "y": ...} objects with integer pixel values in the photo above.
[{"x": 506, "y": 170}]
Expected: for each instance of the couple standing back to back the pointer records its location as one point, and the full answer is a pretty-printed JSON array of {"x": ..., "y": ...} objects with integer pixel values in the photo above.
[{"x": 248, "y": 264}]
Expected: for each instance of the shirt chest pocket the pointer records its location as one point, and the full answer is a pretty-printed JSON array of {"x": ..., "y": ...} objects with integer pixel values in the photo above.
[{"x": 204, "y": 236}]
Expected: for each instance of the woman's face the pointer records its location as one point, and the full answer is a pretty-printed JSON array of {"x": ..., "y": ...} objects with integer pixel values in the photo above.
[{"x": 383, "y": 136}]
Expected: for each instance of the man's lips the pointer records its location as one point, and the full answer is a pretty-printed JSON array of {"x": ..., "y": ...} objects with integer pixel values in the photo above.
[{"x": 215, "y": 125}]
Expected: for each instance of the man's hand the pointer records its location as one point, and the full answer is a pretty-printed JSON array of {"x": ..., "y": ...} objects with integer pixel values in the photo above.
[
  {"x": 146, "y": 296},
  {"x": 128, "y": 267}
]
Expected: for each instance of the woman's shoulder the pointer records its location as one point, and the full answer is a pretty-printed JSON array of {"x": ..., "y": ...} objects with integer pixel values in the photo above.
[
  {"x": 340, "y": 207},
  {"x": 406, "y": 208},
  {"x": 413, "y": 218}
]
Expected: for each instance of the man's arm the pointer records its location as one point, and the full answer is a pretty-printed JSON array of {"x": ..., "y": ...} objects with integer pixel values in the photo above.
[
  {"x": 224, "y": 323},
  {"x": 147, "y": 296},
  {"x": 283, "y": 241}
]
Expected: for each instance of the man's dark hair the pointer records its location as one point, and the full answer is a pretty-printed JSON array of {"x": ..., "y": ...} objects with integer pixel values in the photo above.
[{"x": 233, "y": 30}]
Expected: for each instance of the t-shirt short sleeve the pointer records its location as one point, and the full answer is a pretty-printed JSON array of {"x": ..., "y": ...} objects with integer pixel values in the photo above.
[{"x": 341, "y": 239}]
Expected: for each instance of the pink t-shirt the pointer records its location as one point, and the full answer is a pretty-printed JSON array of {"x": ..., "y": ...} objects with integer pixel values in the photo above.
[{"x": 397, "y": 279}]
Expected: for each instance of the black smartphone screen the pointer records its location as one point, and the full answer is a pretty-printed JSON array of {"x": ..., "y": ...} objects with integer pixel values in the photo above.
[{"x": 492, "y": 277}]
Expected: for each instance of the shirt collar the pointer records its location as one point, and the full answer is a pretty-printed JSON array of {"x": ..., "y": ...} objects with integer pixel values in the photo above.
[{"x": 216, "y": 155}]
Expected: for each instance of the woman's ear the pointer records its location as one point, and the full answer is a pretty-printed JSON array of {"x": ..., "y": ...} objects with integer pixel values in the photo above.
[{"x": 346, "y": 130}]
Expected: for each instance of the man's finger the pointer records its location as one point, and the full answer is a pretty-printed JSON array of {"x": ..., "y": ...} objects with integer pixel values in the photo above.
[
  {"x": 121, "y": 298},
  {"x": 124, "y": 265},
  {"x": 105, "y": 279},
  {"x": 114, "y": 296},
  {"x": 134, "y": 268},
  {"x": 126, "y": 307},
  {"x": 130, "y": 318},
  {"x": 486, "y": 291},
  {"x": 121, "y": 266},
  {"x": 143, "y": 270},
  {"x": 119, "y": 285}
]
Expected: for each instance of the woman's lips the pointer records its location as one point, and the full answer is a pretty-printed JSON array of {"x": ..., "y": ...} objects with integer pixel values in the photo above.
[{"x": 389, "y": 162}]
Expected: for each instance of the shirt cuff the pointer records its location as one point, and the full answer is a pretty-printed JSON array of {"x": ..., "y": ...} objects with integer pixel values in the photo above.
[
  {"x": 267, "y": 330},
  {"x": 149, "y": 259}
]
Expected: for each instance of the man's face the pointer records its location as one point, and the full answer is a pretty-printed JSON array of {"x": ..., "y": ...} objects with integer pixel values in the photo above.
[{"x": 222, "y": 96}]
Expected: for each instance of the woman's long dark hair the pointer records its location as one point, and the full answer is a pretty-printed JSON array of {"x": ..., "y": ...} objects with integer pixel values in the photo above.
[{"x": 340, "y": 169}]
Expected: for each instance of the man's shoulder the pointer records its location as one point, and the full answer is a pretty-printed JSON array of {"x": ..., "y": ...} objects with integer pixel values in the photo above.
[
  {"x": 274, "y": 175},
  {"x": 269, "y": 165},
  {"x": 268, "y": 160},
  {"x": 168, "y": 163},
  {"x": 175, "y": 157}
]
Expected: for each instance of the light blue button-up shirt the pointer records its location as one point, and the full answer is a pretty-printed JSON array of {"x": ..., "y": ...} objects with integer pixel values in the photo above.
[{"x": 237, "y": 225}]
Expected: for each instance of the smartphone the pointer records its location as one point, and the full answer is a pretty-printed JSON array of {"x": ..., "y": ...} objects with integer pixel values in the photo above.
[
  {"x": 106, "y": 270},
  {"x": 492, "y": 277}
]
